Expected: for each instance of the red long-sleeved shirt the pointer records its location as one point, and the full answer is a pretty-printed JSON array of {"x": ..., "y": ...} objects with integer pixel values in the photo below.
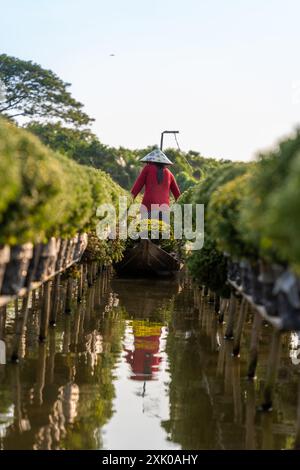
[{"x": 155, "y": 193}]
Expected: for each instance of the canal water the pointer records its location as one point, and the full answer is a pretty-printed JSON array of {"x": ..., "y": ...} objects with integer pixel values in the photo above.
[{"x": 134, "y": 366}]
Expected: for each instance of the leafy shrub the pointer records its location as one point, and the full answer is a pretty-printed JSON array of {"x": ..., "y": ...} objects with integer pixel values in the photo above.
[
  {"x": 44, "y": 193},
  {"x": 10, "y": 178},
  {"x": 282, "y": 220},
  {"x": 104, "y": 251},
  {"x": 31, "y": 213},
  {"x": 224, "y": 218},
  {"x": 171, "y": 245},
  {"x": 271, "y": 185},
  {"x": 208, "y": 265}
]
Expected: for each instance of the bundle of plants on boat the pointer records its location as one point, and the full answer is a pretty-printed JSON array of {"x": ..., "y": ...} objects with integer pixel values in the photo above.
[
  {"x": 48, "y": 204},
  {"x": 252, "y": 221},
  {"x": 159, "y": 232}
]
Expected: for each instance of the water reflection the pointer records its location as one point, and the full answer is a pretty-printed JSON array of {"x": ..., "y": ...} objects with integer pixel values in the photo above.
[
  {"x": 144, "y": 357},
  {"x": 136, "y": 366}
]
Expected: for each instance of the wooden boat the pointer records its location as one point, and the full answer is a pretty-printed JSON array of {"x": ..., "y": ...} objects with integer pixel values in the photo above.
[{"x": 146, "y": 258}]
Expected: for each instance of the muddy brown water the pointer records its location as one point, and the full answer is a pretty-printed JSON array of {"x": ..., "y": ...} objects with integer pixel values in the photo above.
[{"x": 134, "y": 367}]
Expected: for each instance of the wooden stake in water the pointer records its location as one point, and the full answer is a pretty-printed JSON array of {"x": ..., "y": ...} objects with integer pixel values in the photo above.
[
  {"x": 223, "y": 308},
  {"x": 250, "y": 417},
  {"x": 297, "y": 438},
  {"x": 231, "y": 317},
  {"x": 41, "y": 374},
  {"x": 21, "y": 320},
  {"x": 20, "y": 324},
  {"x": 272, "y": 370},
  {"x": 239, "y": 327},
  {"x": 80, "y": 284},
  {"x": 2, "y": 321},
  {"x": 55, "y": 298},
  {"x": 69, "y": 293},
  {"x": 90, "y": 274},
  {"x": 254, "y": 343},
  {"x": 45, "y": 312}
]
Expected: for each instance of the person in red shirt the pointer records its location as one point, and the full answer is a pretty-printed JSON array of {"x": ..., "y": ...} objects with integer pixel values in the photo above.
[{"x": 157, "y": 179}]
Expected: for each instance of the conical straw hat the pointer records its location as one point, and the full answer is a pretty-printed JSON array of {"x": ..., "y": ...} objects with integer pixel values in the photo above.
[{"x": 156, "y": 156}]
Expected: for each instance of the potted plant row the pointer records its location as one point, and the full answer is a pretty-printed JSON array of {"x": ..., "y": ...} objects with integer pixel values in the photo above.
[{"x": 47, "y": 205}]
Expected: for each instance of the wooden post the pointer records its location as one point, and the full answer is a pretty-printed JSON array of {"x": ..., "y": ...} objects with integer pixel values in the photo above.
[
  {"x": 213, "y": 340},
  {"x": 239, "y": 327},
  {"x": 20, "y": 324},
  {"x": 217, "y": 304},
  {"x": 17, "y": 393},
  {"x": 41, "y": 296},
  {"x": 80, "y": 284},
  {"x": 2, "y": 322},
  {"x": 95, "y": 270},
  {"x": 272, "y": 369},
  {"x": 297, "y": 438},
  {"x": 2, "y": 336},
  {"x": 231, "y": 315},
  {"x": 221, "y": 359},
  {"x": 211, "y": 296},
  {"x": 82, "y": 322},
  {"x": 69, "y": 293},
  {"x": 96, "y": 295},
  {"x": 84, "y": 276},
  {"x": 45, "y": 312},
  {"x": 55, "y": 300},
  {"x": 228, "y": 371},
  {"x": 250, "y": 417},
  {"x": 41, "y": 373},
  {"x": 76, "y": 326},
  {"x": 67, "y": 335},
  {"x": 52, "y": 351},
  {"x": 90, "y": 274},
  {"x": 223, "y": 308},
  {"x": 21, "y": 320},
  {"x": 254, "y": 342},
  {"x": 203, "y": 315},
  {"x": 33, "y": 299},
  {"x": 236, "y": 388}
]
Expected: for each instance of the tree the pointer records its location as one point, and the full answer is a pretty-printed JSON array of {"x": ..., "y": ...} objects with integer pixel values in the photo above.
[
  {"x": 85, "y": 147},
  {"x": 37, "y": 93}
]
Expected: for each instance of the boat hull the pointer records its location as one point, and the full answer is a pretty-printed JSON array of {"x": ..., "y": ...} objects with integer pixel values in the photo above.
[{"x": 148, "y": 259}]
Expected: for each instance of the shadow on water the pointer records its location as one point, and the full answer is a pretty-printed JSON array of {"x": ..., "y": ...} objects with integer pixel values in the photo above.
[{"x": 135, "y": 366}]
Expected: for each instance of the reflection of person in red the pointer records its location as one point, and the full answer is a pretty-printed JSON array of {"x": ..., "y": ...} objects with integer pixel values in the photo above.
[{"x": 144, "y": 359}]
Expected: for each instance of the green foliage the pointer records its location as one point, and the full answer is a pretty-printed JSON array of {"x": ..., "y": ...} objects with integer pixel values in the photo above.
[
  {"x": 30, "y": 214},
  {"x": 208, "y": 265},
  {"x": 122, "y": 164},
  {"x": 223, "y": 216},
  {"x": 161, "y": 229},
  {"x": 85, "y": 147},
  {"x": 105, "y": 252},
  {"x": 270, "y": 212},
  {"x": 10, "y": 177},
  {"x": 202, "y": 192},
  {"x": 34, "y": 92},
  {"x": 282, "y": 223}
]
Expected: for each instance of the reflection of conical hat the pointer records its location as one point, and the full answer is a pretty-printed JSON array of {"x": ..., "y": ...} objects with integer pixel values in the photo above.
[{"x": 157, "y": 156}]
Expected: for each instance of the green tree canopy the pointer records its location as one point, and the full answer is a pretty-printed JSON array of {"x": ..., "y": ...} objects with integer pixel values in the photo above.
[{"x": 36, "y": 93}]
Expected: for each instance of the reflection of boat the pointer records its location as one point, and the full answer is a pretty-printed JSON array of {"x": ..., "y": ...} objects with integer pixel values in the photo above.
[
  {"x": 145, "y": 298},
  {"x": 148, "y": 259},
  {"x": 144, "y": 359}
]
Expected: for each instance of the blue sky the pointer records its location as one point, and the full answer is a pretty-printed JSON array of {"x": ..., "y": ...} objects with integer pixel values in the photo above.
[{"x": 224, "y": 73}]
